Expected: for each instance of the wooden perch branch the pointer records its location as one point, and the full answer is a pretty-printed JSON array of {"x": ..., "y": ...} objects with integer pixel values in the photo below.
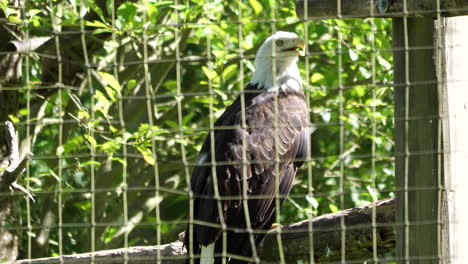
[
  {"x": 324, "y": 9},
  {"x": 327, "y": 235},
  {"x": 10, "y": 175},
  {"x": 326, "y": 238}
]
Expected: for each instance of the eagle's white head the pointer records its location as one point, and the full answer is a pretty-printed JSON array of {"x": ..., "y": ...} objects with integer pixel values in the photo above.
[{"x": 282, "y": 50}]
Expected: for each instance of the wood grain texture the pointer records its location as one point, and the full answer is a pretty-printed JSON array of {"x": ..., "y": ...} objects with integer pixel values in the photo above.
[
  {"x": 324, "y": 9},
  {"x": 418, "y": 168},
  {"x": 454, "y": 94}
]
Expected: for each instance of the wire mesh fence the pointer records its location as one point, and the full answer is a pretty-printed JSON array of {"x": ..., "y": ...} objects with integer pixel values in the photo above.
[{"x": 116, "y": 98}]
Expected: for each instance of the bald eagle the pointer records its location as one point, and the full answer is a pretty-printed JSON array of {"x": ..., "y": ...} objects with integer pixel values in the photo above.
[{"x": 266, "y": 138}]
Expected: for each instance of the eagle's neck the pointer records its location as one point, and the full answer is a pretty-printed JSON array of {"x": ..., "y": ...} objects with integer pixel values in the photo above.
[{"x": 287, "y": 75}]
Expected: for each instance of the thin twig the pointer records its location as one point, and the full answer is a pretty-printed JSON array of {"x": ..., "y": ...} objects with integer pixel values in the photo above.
[{"x": 16, "y": 167}]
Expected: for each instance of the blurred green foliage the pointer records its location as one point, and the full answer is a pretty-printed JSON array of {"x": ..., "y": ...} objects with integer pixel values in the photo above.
[{"x": 136, "y": 119}]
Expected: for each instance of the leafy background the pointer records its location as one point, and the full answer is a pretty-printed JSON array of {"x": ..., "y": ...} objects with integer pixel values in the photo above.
[{"x": 115, "y": 142}]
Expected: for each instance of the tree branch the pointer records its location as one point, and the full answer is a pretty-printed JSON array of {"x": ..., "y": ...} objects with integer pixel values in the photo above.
[
  {"x": 325, "y": 9},
  {"x": 27, "y": 45},
  {"x": 10, "y": 175},
  {"x": 327, "y": 234}
]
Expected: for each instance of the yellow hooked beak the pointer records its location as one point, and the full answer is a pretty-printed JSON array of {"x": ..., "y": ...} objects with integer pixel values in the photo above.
[
  {"x": 297, "y": 49},
  {"x": 300, "y": 47}
]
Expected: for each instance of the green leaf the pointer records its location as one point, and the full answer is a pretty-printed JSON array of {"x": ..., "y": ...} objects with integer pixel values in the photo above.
[
  {"x": 110, "y": 147},
  {"x": 13, "y": 119},
  {"x": 147, "y": 154},
  {"x": 178, "y": 7},
  {"x": 126, "y": 15},
  {"x": 35, "y": 180},
  {"x": 111, "y": 93},
  {"x": 316, "y": 77},
  {"x": 384, "y": 62},
  {"x": 352, "y": 55},
  {"x": 91, "y": 141},
  {"x": 360, "y": 91},
  {"x": 333, "y": 208},
  {"x": 229, "y": 71},
  {"x": 23, "y": 112},
  {"x": 111, "y": 81},
  {"x": 14, "y": 19},
  {"x": 161, "y": 4},
  {"x": 73, "y": 144},
  {"x": 49, "y": 172},
  {"x": 365, "y": 72},
  {"x": 152, "y": 12},
  {"x": 97, "y": 24},
  {"x": 95, "y": 8},
  {"x": 102, "y": 103},
  {"x": 312, "y": 201},
  {"x": 119, "y": 160},
  {"x": 131, "y": 84},
  {"x": 256, "y": 6},
  {"x": 33, "y": 12},
  {"x": 84, "y": 205},
  {"x": 187, "y": 118},
  {"x": 59, "y": 151},
  {"x": 172, "y": 124},
  {"x": 211, "y": 74},
  {"x": 90, "y": 162}
]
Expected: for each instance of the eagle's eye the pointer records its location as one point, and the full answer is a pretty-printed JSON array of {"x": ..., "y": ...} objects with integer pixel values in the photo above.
[{"x": 279, "y": 43}]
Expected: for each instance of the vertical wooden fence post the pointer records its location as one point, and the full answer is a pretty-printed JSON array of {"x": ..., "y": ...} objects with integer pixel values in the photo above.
[{"x": 417, "y": 141}]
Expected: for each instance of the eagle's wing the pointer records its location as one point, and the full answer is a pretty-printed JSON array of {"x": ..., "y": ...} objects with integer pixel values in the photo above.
[{"x": 263, "y": 144}]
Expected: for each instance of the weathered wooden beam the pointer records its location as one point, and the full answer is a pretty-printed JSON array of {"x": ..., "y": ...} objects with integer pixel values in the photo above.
[
  {"x": 418, "y": 149},
  {"x": 454, "y": 94},
  {"x": 324, "y": 9},
  {"x": 326, "y": 241}
]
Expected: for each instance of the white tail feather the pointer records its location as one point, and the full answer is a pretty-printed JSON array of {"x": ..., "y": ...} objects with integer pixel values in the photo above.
[{"x": 207, "y": 254}]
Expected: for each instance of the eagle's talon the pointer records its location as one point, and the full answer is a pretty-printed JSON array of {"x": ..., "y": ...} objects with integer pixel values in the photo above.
[{"x": 275, "y": 226}]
